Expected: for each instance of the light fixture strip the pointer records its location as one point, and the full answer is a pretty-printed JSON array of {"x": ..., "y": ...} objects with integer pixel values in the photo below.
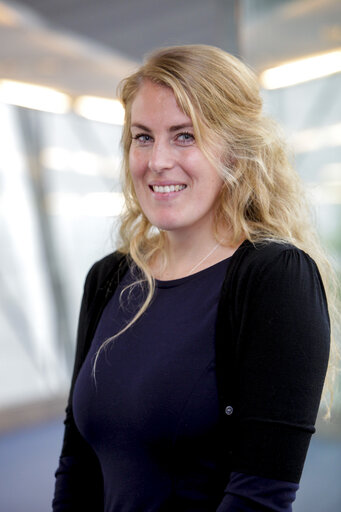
[
  {"x": 104, "y": 110},
  {"x": 302, "y": 70},
  {"x": 34, "y": 96}
]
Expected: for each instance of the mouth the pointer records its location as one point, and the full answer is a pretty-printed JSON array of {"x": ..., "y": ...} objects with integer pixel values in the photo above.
[{"x": 166, "y": 189}]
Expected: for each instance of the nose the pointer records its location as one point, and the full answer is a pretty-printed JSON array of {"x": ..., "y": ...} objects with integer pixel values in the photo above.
[{"x": 161, "y": 157}]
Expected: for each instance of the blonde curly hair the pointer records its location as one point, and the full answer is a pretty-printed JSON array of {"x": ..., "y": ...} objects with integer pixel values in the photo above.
[{"x": 262, "y": 197}]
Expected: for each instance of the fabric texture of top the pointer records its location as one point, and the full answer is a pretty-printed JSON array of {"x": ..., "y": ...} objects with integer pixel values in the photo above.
[
  {"x": 152, "y": 416},
  {"x": 272, "y": 346}
]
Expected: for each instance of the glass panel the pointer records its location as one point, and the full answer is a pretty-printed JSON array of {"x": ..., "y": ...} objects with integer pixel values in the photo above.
[{"x": 59, "y": 198}]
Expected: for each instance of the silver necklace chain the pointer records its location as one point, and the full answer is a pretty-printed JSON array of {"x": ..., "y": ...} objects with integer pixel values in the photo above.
[{"x": 204, "y": 258}]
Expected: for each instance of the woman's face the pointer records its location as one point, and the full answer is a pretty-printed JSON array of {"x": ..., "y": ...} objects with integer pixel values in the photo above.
[{"x": 175, "y": 184}]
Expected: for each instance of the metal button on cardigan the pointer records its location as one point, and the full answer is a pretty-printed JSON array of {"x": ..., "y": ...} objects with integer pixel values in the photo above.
[{"x": 228, "y": 410}]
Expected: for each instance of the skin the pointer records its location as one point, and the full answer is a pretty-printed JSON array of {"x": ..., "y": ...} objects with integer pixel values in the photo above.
[{"x": 164, "y": 153}]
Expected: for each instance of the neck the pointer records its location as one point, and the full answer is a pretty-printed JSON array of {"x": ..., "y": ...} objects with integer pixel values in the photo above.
[
  {"x": 189, "y": 254},
  {"x": 187, "y": 246}
]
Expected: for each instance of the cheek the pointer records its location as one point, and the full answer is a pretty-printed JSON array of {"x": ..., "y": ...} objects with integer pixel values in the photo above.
[
  {"x": 217, "y": 183},
  {"x": 214, "y": 186},
  {"x": 132, "y": 162},
  {"x": 137, "y": 165}
]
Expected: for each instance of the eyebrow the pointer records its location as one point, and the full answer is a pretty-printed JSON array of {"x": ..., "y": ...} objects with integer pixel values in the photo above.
[{"x": 173, "y": 128}]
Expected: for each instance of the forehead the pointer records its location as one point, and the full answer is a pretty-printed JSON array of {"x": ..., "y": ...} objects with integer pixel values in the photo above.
[{"x": 156, "y": 102}]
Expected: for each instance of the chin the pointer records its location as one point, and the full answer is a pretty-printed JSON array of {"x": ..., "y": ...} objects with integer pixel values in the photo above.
[{"x": 165, "y": 224}]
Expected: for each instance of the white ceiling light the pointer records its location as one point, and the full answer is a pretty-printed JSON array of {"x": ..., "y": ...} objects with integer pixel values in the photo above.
[
  {"x": 100, "y": 109},
  {"x": 34, "y": 96},
  {"x": 302, "y": 70}
]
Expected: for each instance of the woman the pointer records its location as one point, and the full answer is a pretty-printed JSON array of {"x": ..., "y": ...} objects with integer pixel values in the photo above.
[{"x": 203, "y": 342}]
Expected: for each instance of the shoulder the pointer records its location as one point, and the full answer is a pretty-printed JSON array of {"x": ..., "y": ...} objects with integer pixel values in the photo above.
[
  {"x": 269, "y": 264},
  {"x": 262, "y": 256},
  {"x": 263, "y": 253},
  {"x": 105, "y": 269}
]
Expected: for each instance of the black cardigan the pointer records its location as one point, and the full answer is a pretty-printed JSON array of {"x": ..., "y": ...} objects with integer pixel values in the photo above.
[{"x": 270, "y": 367}]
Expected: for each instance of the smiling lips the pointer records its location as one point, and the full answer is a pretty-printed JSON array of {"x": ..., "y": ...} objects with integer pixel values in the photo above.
[{"x": 166, "y": 189}]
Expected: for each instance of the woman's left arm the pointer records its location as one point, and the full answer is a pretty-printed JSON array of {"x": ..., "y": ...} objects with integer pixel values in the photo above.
[{"x": 282, "y": 357}]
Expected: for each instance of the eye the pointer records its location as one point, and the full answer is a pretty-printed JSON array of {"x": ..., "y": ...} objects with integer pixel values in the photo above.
[
  {"x": 185, "y": 138},
  {"x": 142, "y": 138}
]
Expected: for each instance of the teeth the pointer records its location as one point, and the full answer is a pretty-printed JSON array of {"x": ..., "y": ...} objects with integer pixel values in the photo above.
[{"x": 168, "y": 188}]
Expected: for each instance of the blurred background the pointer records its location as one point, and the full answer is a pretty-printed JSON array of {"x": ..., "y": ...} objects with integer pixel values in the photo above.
[{"x": 60, "y": 126}]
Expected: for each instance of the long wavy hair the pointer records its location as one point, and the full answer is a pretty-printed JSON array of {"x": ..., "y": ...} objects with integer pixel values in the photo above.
[{"x": 262, "y": 197}]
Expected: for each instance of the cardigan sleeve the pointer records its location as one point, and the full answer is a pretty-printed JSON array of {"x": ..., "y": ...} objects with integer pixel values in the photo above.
[
  {"x": 282, "y": 354},
  {"x": 247, "y": 493},
  {"x": 78, "y": 483}
]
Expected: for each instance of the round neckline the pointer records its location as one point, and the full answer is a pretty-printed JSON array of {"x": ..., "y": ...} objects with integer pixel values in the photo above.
[{"x": 181, "y": 280}]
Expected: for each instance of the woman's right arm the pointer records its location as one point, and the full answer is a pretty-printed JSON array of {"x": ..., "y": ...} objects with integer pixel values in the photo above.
[{"x": 78, "y": 477}]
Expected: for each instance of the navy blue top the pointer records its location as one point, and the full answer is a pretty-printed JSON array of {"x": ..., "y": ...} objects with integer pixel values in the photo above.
[{"x": 152, "y": 414}]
